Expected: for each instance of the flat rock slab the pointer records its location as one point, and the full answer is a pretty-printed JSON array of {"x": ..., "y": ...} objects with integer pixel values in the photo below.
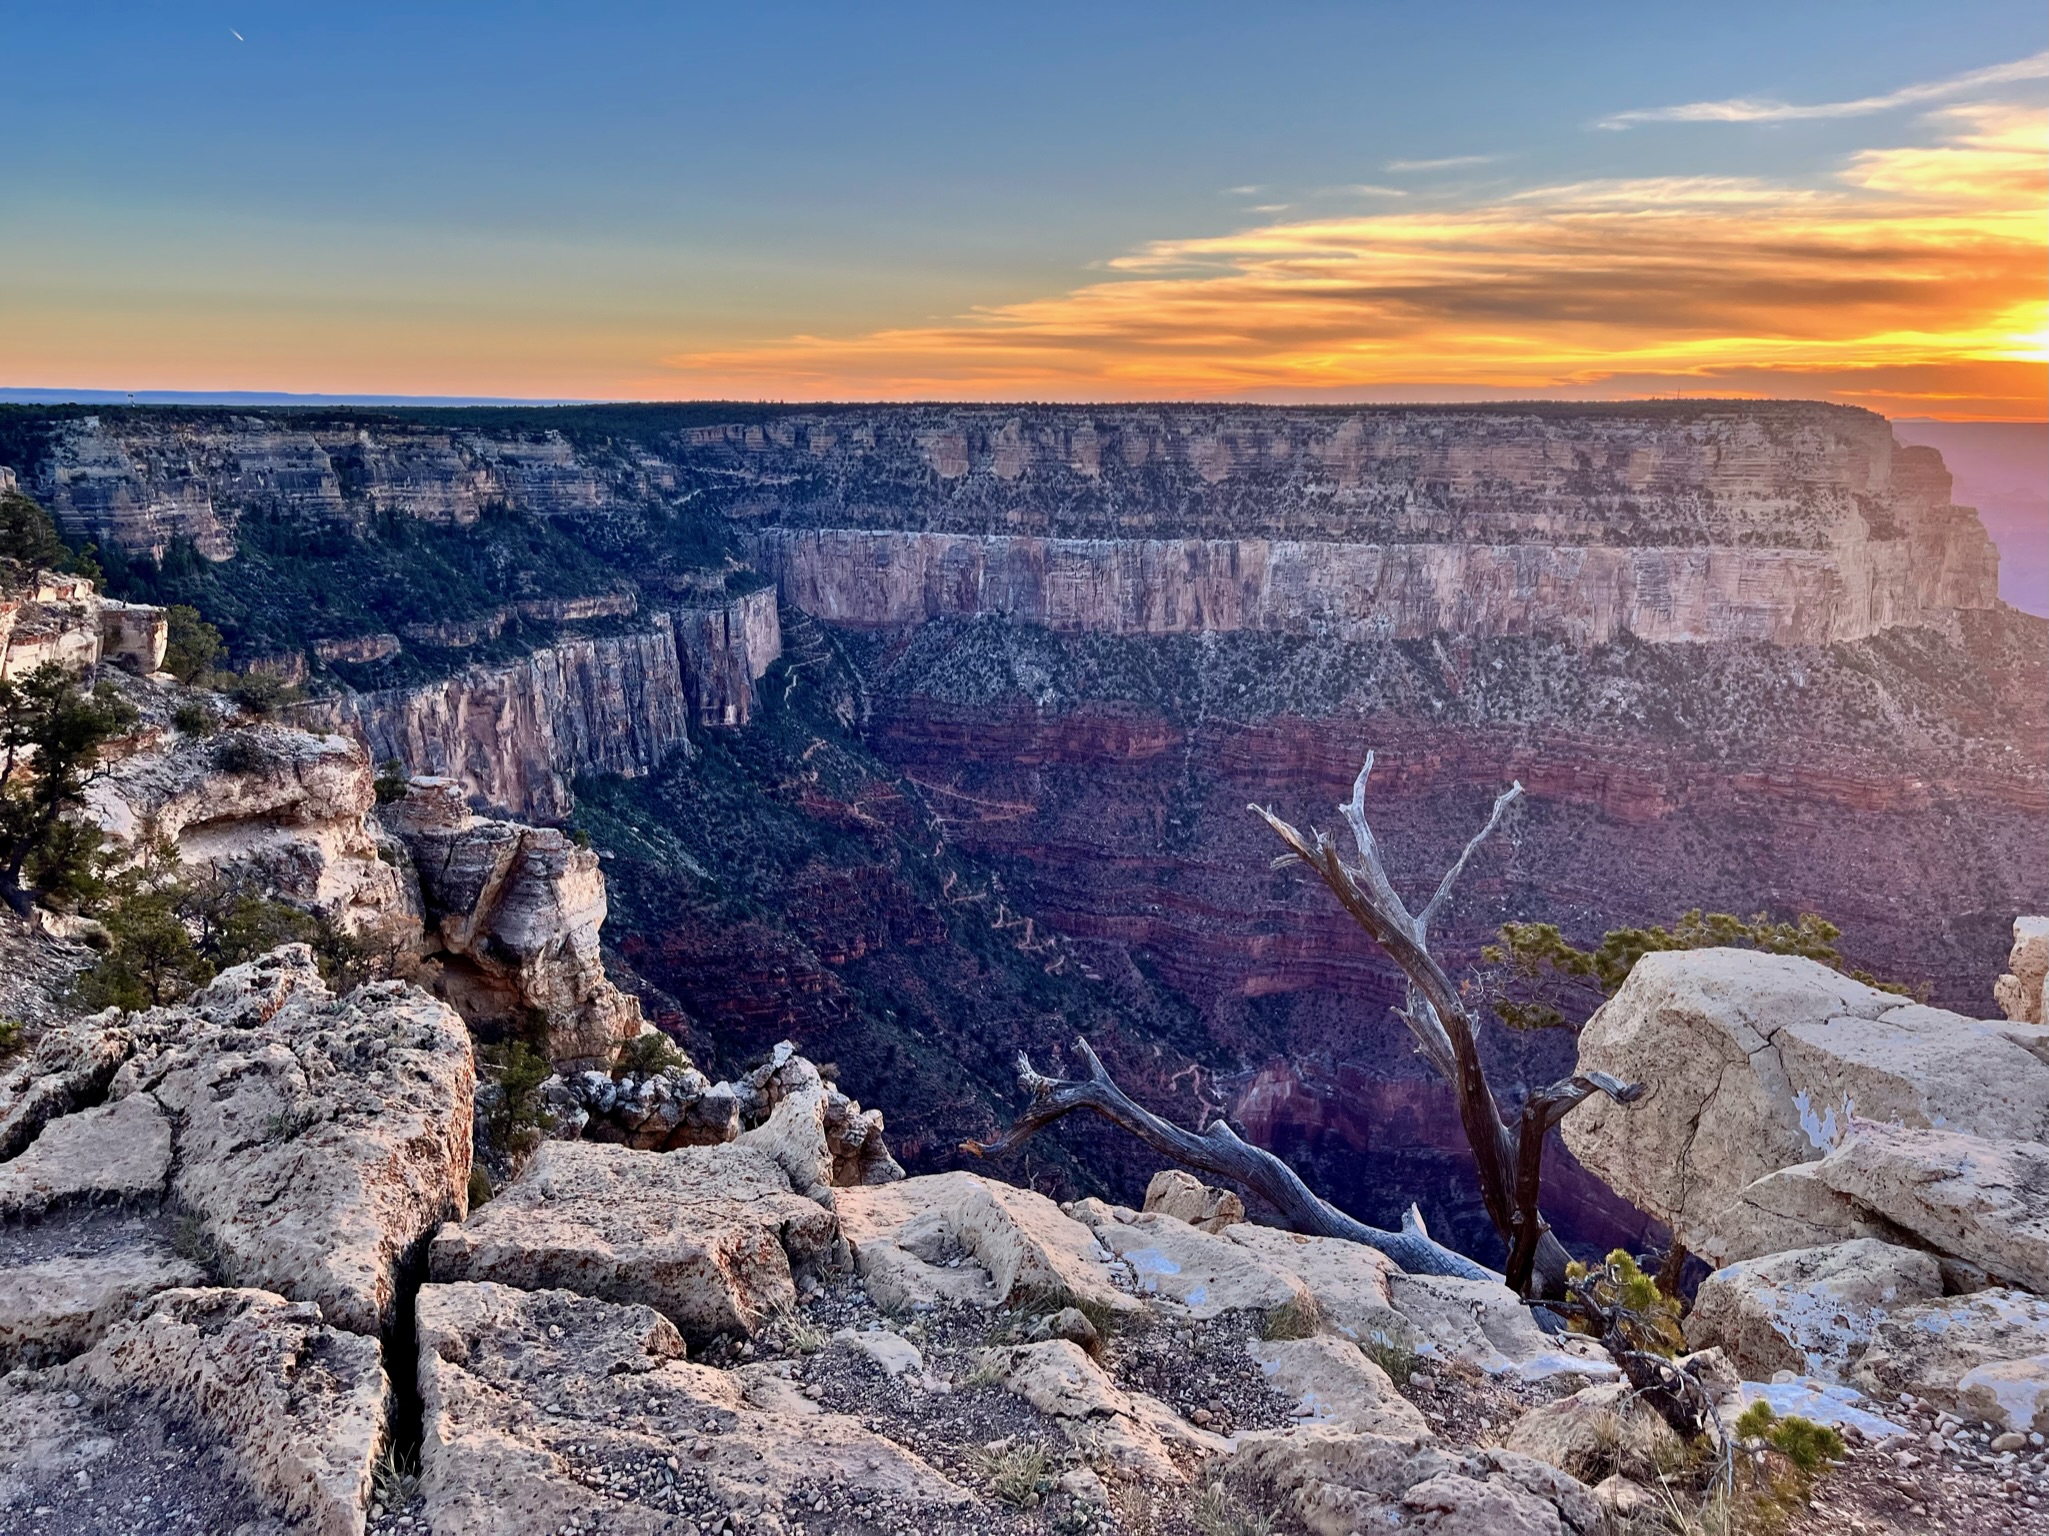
[
  {"x": 1809, "y": 1311},
  {"x": 1983, "y": 1201},
  {"x": 300, "y": 1405},
  {"x": 1331, "y": 1382},
  {"x": 1930, "y": 1348},
  {"x": 1349, "y": 1282},
  {"x": 1338, "y": 1483},
  {"x": 545, "y": 1407},
  {"x": 318, "y": 1138},
  {"x": 116, "y": 1153},
  {"x": 954, "y": 1237},
  {"x": 1486, "y": 1325},
  {"x": 1206, "y": 1273},
  {"x": 62, "y": 1306},
  {"x": 1129, "y": 1433},
  {"x": 711, "y": 1237}
]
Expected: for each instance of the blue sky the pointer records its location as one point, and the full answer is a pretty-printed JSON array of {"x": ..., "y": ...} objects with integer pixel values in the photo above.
[{"x": 523, "y": 199}]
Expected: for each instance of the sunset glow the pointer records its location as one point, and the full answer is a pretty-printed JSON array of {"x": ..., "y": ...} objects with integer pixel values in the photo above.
[{"x": 1914, "y": 284}]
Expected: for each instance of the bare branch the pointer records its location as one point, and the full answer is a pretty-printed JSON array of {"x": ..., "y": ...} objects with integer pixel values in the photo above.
[
  {"x": 1220, "y": 1151},
  {"x": 1502, "y": 802},
  {"x": 1541, "y": 1111}
]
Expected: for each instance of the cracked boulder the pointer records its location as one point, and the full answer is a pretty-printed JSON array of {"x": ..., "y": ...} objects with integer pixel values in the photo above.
[
  {"x": 1932, "y": 1348},
  {"x": 1809, "y": 1311},
  {"x": 1756, "y": 1062},
  {"x": 543, "y": 1408},
  {"x": 957, "y": 1237},
  {"x": 711, "y": 1237},
  {"x": 299, "y": 1405},
  {"x": 318, "y": 1138}
]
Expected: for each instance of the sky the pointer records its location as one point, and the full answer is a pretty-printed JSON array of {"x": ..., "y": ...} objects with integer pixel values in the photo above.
[{"x": 1354, "y": 202}]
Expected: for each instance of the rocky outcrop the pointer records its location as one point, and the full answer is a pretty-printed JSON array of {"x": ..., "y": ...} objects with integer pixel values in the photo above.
[
  {"x": 517, "y": 736},
  {"x": 1929, "y": 1348},
  {"x": 2019, "y": 992},
  {"x": 1755, "y": 1064},
  {"x": 284, "y": 809},
  {"x": 513, "y": 914},
  {"x": 713, "y": 1238},
  {"x": 61, "y": 619},
  {"x": 1174, "y": 1193}
]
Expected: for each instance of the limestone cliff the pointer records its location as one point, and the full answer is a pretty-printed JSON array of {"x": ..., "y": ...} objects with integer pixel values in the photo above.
[{"x": 518, "y": 735}]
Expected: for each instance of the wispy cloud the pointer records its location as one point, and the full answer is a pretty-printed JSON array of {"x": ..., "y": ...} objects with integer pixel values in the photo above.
[
  {"x": 1447, "y": 163},
  {"x": 1745, "y": 109},
  {"x": 1913, "y": 281},
  {"x": 1368, "y": 189}
]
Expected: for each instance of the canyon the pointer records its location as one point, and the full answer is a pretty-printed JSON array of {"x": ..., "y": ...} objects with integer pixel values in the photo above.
[{"x": 963, "y": 768}]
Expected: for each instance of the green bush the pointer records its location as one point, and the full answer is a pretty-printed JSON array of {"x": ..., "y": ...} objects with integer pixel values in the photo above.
[
  {"x": 28, "y": 536},
  {"x": 516, "y": 1119},
  {"x": 193, "y": 718},
  {"x": 391, "y": 781},
  {"x": 47, "y": 721},
  {"x": 649, "y": 1055},
  {"x": 1808, "y": 1445},
  {"x": 193, "y": 645}
]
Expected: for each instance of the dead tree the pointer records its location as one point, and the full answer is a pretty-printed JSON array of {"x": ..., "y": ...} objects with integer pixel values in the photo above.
[{"x": 1508, "y": 1155}]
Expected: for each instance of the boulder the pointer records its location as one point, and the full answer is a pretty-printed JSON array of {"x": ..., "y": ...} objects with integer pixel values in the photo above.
[
  {"x": 300, "y": 1405},
  {"x": 1598, "y": 1432},
  {"x": 526, "y": 1394},
  {"x": 1811, "y": 1310},
  {"x": 711, "y": 1237},
  {"x": 318, "y": 1139},
  {"x": 2019, "y": 991},
  {"x": 1182, "y": 1195},
  {"x": 1983, "y": 1201},
  {"x": 1349, "y": 1283},
  {"x": 1930, "y": 1348},
  {"x": 956, "y": 1237},
  {"x": 60, "y": 1307},
  {"x": 1331, "y": 1382},
  {"x": 1754, "y": 1062},
  {"x": 109, "y": 1154},
  {"x": 894, "y": 1354},
  {"x": 1338, "y": 1483},
  {"x": 1486, "y": 1325},
  {"x": 2013, "y": 1394},
  {"x": 1205, "y": 1273}
]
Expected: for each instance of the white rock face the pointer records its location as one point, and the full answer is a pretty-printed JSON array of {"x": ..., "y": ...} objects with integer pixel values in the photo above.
[
  {"x": 521, "y": 1389},
  {"x": 1809, "y": 1311},
  {"x": 1486, "y": 1325},
  {"x": 2019, "y": 991},
  {"x": 1794, "y": 1208},
  {"x": 70, "y": 1065},
  {"x": 1930, "y": 1348},
  {"x": 2013, "y": 1394},
  {"x": 1755, "y": 1063},
  {"x": 516, "y": 911},
  {"x": 711, "y": 1237},
  {"x": 1984, "y": 1201},
  {"x": 284, "y": 807},
  {"x": 906, "y": 1236},
  {"x": 60, "y": 1307},
  {"x": 318, "y": 1138},
  {"x": 1349, "y": 1282},
  {"x": 301, "y": 1404}
]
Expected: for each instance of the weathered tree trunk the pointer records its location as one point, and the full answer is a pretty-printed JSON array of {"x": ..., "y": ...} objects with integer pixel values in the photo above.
[{"x": 1508, "y": 1156}]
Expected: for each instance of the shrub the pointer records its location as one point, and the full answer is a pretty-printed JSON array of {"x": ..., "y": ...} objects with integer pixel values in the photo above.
[
  {"x": 261, "y": 693},
  {"x": 516, "y": 1119},
  {"x": 193, "y": 645},
  {"x": 193, "y": 718},
  {"x": 391, "y": 781},
  {"x": 28, "y": 535},
  {"x": 1392, "y": 1355},
  {"x": 1019, "y": 1475},
  {"x": 1298, "y": 1319},
  {"x": 10, "y": 1037},
  {"x": 649, "y": 1055},
  {"x": 46, "y": 720},
  {"x": 1808, "y": 1445}
]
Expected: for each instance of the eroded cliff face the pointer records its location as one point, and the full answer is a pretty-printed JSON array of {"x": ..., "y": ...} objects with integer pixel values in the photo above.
[
  {"x": 146, "y": 480},
  {"x": 518, "y": 736}
]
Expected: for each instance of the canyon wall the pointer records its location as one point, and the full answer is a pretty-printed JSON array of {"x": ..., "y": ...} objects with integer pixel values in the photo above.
[
  {"x": 517, "y": 736},
  {"x": 146, "y": 479}
]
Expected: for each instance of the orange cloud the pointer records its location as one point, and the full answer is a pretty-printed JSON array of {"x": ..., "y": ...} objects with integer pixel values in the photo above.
[{"x": 1915, "y": 282}]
